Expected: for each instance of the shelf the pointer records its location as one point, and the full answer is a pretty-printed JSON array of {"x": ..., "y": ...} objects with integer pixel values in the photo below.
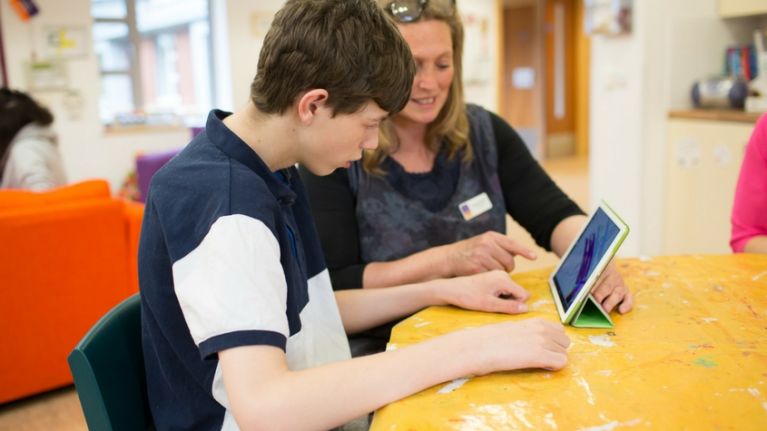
[
  {"x": 716, "y": 115},
  {"x": 738, "y": 8}
]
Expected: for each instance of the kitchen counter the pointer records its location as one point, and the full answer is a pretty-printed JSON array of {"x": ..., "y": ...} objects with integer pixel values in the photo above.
[{"x": 715, "y": 115}]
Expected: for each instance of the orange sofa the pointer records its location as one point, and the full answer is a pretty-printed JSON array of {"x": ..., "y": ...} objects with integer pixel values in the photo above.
[{"x": 67, "y": 256}]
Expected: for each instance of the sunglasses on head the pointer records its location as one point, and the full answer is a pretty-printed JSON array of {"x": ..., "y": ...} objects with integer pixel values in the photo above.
[{"x": 408, "y": 10}]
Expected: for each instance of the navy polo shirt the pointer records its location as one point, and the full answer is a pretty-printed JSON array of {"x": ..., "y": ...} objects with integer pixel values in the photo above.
[{"x": 228, "y": 257}]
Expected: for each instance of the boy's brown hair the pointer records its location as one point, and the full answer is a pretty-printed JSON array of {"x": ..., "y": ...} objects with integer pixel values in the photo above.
[{"x": 348, "y": 47}]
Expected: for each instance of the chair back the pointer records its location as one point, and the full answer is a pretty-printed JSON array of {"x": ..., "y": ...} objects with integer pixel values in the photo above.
[{"x": 108, "y": 369}]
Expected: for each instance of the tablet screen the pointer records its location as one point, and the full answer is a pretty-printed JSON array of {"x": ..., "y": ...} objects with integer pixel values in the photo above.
[{"x": 588, "y": 250}]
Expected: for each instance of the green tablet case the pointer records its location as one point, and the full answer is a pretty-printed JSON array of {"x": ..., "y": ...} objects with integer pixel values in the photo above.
[{"x": 591, "y": 315}]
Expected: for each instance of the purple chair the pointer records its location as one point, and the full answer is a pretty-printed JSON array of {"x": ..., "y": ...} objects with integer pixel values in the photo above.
[
  {"x": 196, "y": 130},
  {"x": 147, "y": 165}
]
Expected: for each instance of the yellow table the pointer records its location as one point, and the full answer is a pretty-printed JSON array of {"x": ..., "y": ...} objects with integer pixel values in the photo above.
[{"x": 691, "y": 356}]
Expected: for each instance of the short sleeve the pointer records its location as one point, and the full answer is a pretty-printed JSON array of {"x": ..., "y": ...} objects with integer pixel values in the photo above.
[{"x": 231, "y": 287}]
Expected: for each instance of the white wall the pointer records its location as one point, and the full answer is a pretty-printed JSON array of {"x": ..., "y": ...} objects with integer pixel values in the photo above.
[
  {"x": 86, "y": 150},
  {"x": 481, "y": 55},
  {"x": 243, "y": 30},
  {"x": 243, "y": 54},
  {"x": 636, "y": 80},
  {"x": 615, "y": 147},
  {"x": 89, "y": 152}
]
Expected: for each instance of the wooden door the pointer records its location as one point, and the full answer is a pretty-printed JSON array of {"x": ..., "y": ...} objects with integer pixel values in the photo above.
[
  {"x": 559, "y": 80},
  {"x": 521, "y": 89}
]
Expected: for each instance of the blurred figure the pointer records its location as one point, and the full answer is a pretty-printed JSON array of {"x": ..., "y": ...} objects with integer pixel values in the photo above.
[
  {"x": 749, "y": 211},
  {"x": 29, "y": 157}
]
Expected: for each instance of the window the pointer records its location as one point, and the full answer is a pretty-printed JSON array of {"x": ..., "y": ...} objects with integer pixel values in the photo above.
[{"x": 155, "y": 60}]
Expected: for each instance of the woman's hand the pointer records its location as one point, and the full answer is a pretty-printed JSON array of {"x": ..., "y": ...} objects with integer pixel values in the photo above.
[
  {"x": 485, "y": 252},
  {"x": 611, "y": 291}
]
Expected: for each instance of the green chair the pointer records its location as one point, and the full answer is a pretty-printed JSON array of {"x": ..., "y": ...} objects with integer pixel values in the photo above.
[{"x": 108, "y": 370}]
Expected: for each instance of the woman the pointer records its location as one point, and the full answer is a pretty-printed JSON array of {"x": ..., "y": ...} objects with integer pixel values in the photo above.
[
  {"x": 29, "y": 158},
  {"x": 431, "y": 200}
]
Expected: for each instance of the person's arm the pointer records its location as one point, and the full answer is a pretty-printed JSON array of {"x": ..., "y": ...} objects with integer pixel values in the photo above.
[
  {"x": 333, "y": 209},
  {"x": 749, "y": 225},
  {"x": 485, "y": 252},
  {"x": 264, "y": 394},
  {"x": 565, "y": 232},
  {"x": 492, "y": 291},
  {"x": 757, "y": 244},
  {"x": 532, "y": 198},
  {"x": 544, "y": 210}
]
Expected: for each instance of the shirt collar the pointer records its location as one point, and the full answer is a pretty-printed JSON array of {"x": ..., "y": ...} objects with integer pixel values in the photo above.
[{"x": 234, "y": 147}]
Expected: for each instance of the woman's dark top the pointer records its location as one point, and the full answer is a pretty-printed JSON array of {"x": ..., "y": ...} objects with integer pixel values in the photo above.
[{"x": 363, "y": 218}]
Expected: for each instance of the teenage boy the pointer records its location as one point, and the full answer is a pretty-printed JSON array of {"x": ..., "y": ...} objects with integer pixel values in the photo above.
[{"x": 241, "y": 328}]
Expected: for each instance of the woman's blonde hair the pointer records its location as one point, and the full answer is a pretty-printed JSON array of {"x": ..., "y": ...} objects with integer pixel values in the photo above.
[{"x": 452, "y": 123}]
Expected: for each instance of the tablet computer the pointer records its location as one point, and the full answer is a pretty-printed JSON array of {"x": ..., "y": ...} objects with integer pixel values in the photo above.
[{"x": 582, "y": 264}]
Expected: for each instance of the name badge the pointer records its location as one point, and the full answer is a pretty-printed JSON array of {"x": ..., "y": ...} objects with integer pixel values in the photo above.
[{"x": 475, "y": 206}]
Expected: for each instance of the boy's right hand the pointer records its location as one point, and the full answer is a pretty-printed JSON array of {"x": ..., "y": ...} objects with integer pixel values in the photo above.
[{"x": 532, "y": 343}]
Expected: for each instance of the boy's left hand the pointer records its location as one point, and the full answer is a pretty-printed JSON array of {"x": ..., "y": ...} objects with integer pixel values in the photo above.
[
  {"x": 492, "y": 291},
  {"x": 611, "y": 291}
]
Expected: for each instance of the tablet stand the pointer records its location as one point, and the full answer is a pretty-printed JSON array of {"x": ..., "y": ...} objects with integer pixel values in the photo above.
[{"x": 591, "y": 315}]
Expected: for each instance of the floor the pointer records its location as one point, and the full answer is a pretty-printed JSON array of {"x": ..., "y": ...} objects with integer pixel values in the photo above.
[
  {"x": 56, "y": 410},
  {"x": 60, "y": 409}
]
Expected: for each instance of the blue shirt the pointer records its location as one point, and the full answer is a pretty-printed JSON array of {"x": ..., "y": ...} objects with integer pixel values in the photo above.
[{"x": 228, "y": 257}]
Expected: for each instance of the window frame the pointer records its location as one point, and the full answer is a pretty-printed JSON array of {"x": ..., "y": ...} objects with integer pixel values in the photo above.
[
  {"x": 134, "y": 69},
  {"x": 134, "y": 60}
]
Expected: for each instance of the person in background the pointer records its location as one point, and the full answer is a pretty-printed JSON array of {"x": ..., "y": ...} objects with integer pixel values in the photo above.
[
  {"x": 29, "y": 157},
  {"x": 240, "y": 326},
  {"x": 431, "y": 200},
  {"x": 749, "y": 211}
]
